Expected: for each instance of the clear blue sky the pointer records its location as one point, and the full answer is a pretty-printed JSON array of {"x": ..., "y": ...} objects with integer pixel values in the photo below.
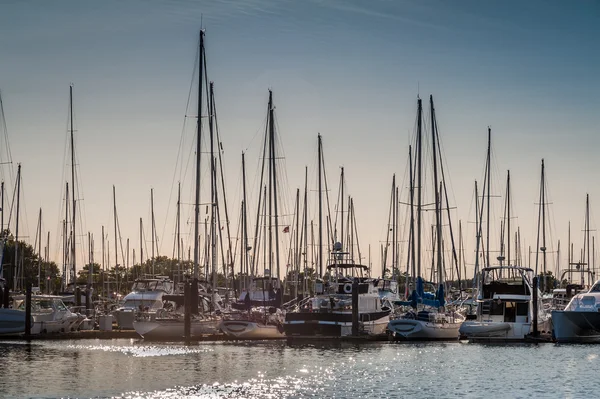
[{"x": 351, "y": 70}]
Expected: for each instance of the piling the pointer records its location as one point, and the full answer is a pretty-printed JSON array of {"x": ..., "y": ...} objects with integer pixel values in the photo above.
[
  {"x": 355, "y": 307},
  {"x": 194, "y": 298},
  {"x": 77, "y": 296},
  {"x": 187, "y": 309},
  {"x": 28, "y": 311},
  {"x": 6, "y": 296},
  {"x": 534, "y": 321}
]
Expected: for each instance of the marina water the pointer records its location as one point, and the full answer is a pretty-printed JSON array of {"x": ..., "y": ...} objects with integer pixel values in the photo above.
[{"x": 276, "y": 369}]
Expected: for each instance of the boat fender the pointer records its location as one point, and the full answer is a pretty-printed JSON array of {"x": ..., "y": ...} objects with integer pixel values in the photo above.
[{"x": 348, "y": 288}]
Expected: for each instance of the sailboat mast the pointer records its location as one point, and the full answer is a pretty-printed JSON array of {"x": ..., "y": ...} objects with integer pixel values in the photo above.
[
  {"x": 488, "y": 178},
  {"x": 39, "y": 235},
  {"x": 437, "y": 189},
  {"x": 16, "y": 266},
  {"x": 213, "y": 191},
  {"x": 73, "y": 229},
  {"x": 141, "y": 246},
  {"x": 412, "y": 216},
  {"x": 393, "y": 205},
  {"x": 198, "y": 153},
  {"x": 274, "y": 173},
  {"x": 419, "y": 182},
  {"x": 305, "y": 223},
  {"x": 342, "y": 237},
  {"x": 508, "y": 218},
  {"x": 587, "y": 230},
  {"x": 153, "y": 227},
  {"x": 178, "y": 231},
  {"x": 244, "y": 220},
  {"x": 319, "y": 161},
  {"x": 115, "y": 223},
  {"x": 543, "y": 249}
]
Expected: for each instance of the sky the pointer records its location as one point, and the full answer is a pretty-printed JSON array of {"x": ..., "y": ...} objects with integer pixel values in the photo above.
[{"x": 350, "y": 70}]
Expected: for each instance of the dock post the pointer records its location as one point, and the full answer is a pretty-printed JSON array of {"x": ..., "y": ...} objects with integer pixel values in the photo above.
[
  {"x": 194, "y": 297},
  {"x": 534, "y": 321},
  {"x": 355, "y": 307},
  {"x": 77, "y": 296},
  {"x": 187, "y": 307},
  {"x": 6, "y": 296},
  {"x": 28, "y": 311}
]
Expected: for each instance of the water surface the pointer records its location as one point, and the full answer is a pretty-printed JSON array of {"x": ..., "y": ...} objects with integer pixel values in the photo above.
[{"x": 275, "y": 369}]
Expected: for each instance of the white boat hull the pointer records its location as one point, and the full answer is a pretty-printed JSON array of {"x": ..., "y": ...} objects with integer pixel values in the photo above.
[
  {"x": 576, "y": 326},
  {"x": 246, "y": 329},
  {"x": 12, "y": 322},
  {"x": 499, "y": 331},
  {"x": 173, "y": 329},
  {"x": 411, "y": 329}
]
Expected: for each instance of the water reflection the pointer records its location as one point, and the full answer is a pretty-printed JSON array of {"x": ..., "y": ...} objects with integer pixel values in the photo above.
[{"x": 134, "y": 369}]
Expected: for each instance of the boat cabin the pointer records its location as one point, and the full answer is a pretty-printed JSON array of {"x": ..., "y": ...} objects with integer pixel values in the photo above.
[{"x": 506, "y": 294}]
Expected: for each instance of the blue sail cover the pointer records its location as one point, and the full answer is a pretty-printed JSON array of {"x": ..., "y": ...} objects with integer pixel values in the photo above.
[
  {"x": 420, "y": 288},
  {"x": 440, "y": 295}
]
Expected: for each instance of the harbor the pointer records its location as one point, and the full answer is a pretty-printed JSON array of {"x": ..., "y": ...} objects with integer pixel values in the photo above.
[{"x": 283, "y": 199}]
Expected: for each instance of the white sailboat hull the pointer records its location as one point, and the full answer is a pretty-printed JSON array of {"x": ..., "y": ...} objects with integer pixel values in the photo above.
[
  {"x": 173, "y": 329},
  {"x": 499, "y": 331},
  {"x": 246, "y": 329},
  {"x": 410, "y": 329}
]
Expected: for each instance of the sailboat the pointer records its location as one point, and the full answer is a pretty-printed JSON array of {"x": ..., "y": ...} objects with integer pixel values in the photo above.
[
  {"x": 262, "y": 318},
  {"x": 428, "y": 317},
  {"x": 346, "y": 300},
  {"x": 507, "y": 309},
  {"x": 168, "y": 324}
]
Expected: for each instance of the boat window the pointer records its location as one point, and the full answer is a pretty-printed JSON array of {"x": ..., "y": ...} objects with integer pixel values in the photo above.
[
  {"x": 496, "y": 309},
  {"x": 510, "y": 312},
  {"x": 139, "y": 285},
  {"x": 596, "y": 287},
  {"x": 60, "y": 305},
  {"x": 522, "y": 309}
]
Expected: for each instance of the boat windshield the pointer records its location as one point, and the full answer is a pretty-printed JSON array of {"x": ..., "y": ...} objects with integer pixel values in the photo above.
[
  {"x": 596, "y": 287},
  {"x": 583, "y": 303},
  {"x": 137, "y": 303},
  {"x": 38, "y": 305}
]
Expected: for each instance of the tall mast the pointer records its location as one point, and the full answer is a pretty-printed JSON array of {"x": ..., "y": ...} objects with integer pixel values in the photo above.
[
  {"x": 488, "y": 178},
  {"x": 305, "y": 223},
  {"x": 2, "y": 207},
  {"x": 342, "y": 237},
  {"x": 39, "y": 235},
  {"x": 74, "y": 260},
  {"x": 508, "y": 218},
  {"x": 116, "y": 252},
  {"x": 178, "y": 232},
  {"x": 274, "y": 174},
  {"x": 419, "y": 183},
  {"x": 153, "y": 227},
  {"x": 16, "y": 267},
  {"x": 141, "y": 247},
  {"x": 244, "y": 220},
  {"x": 213, "y": 190},
  {"x": 587, "y": 230},
  {"x": 437, "y": 189},
  {"x": 393, "y": 205},
  {"x": 103, "y": 263},
  {"x": 320, "y": 157},
  {"x": 543, "y": 249},
  {"x": 412, "y": 216},
  {"x": 540, "y": 221},
  {"x": 198, "y": 152}
]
